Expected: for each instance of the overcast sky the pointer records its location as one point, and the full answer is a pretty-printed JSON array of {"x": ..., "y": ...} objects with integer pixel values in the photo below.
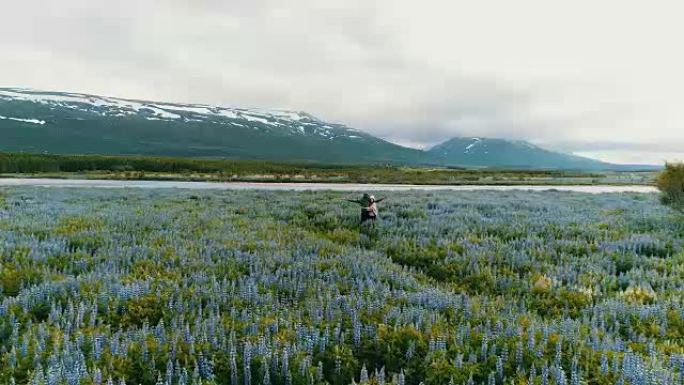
[{"x": 602, "y": 78}]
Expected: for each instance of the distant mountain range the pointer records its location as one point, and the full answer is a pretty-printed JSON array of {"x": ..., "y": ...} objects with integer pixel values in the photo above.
[
  {"x": 70, "y": 123},
  {"x": 474, "y": 152}
]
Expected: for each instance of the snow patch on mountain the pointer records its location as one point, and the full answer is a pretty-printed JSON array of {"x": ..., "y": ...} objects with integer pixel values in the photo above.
[
  {"x": 289, "y": 122},
  {"x": 33, "y": 121},
  {"x": 469, "y": 148}
]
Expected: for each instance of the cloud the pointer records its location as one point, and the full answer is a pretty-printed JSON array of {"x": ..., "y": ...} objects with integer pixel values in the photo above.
[{"x": 415, "y": 73}]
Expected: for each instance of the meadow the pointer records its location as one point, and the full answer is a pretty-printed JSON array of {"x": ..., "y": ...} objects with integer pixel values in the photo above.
[{"x": 179, "y": 287}]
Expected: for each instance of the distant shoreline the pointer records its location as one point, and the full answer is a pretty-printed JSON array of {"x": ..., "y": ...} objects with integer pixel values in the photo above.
[
  {"x": 210, "y": 178},
  {"x": 305, "y": 186},
  {"x": 199, "y": 170}
]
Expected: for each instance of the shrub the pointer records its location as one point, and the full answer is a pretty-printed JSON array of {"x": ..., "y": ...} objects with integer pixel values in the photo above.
[
  {"x": 638, "y": 294},
  {"x": 671, "y": 184}
]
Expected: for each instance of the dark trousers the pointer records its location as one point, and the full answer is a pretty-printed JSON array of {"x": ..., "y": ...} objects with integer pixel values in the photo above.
[{"x": 366, "y": 216}]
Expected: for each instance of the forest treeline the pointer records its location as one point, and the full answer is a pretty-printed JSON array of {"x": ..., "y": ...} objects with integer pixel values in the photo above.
[{"x": 148, "y": 167}]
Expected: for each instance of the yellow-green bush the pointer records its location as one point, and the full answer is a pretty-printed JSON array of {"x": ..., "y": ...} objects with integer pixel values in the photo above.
[{"x": 670, "y": 182}]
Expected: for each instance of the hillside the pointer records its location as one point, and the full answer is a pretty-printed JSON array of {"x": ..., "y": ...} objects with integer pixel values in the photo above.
[
  {"x": 73, "y": 123},
  {"x": 67, "y": 123},
  {"x": 485, "y": 152}
]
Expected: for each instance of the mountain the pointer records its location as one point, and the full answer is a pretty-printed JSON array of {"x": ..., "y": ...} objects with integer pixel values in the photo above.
[
  {"x": 485, "y": 152},
  {"x": 74, "y": 123},
  {"x": 71, "y": 123}
]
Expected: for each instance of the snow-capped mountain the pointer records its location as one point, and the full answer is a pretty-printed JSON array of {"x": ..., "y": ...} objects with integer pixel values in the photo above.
[
  {"x": 281, "y": 121},
  {"x": 60, "y": 122},
  {"x": 75, "y": 123},
  {"x": 486, "y": 152}
]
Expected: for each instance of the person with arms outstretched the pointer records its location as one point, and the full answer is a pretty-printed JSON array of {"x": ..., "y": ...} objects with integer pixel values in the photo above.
[{"x": 369, "y": 208}]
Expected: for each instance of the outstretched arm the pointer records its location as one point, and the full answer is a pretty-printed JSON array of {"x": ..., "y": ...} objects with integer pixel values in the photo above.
[
  {"x": 354, "y": 201},
  {"x": 380, "y": 199}
]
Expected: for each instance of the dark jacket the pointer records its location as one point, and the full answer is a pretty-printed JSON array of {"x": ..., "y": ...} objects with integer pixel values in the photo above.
[{"x": 368, "y": 211}]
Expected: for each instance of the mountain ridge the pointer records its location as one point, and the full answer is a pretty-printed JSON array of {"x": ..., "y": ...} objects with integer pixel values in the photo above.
[{"x": 73, "y": 123}]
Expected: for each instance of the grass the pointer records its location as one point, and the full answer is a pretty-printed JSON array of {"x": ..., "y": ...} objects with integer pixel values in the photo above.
[{"x": 159, "y": 168}]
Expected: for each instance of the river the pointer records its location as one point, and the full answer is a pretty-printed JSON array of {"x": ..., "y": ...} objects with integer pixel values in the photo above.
[{"x": 94, "y": 183}]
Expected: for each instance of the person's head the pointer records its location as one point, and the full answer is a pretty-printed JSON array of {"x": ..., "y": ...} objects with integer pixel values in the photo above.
[
  {"x": 371, "y": 198},
  {"x": 366, "y": 197}
]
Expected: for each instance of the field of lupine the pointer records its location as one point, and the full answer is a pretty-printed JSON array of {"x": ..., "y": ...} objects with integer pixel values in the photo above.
[{"x": 177, "y": 287}]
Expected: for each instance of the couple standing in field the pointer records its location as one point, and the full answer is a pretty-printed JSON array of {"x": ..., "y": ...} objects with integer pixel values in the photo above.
[{"x": 369, "y": 208}]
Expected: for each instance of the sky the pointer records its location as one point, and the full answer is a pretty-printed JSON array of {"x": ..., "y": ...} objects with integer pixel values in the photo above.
[{"x": 600, "y": 78}]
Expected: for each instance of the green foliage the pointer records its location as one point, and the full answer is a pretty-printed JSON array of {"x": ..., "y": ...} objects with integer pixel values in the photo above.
[
  {"x": 153, "y": 167},
  {"x": 16, "y": 271},
  {"x": 148, "y": 309},
  {"x": 133, "y": 166},
  {"x": 555, "y": 303},
  {"x": 671, "y": 185}
]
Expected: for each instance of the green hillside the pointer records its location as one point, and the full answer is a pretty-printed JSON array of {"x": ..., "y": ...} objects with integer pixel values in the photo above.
[{"x": 68, "y": 123}]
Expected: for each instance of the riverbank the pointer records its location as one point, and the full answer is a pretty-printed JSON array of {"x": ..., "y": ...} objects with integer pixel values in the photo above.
[
  {"x": 274, "y": 186},
  {"x": 222, "y": 170},
  {"x": 402, "y": 177}
]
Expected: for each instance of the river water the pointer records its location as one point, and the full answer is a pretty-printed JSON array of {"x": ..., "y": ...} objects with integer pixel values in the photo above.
[{"x": 93, "y": 183}]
